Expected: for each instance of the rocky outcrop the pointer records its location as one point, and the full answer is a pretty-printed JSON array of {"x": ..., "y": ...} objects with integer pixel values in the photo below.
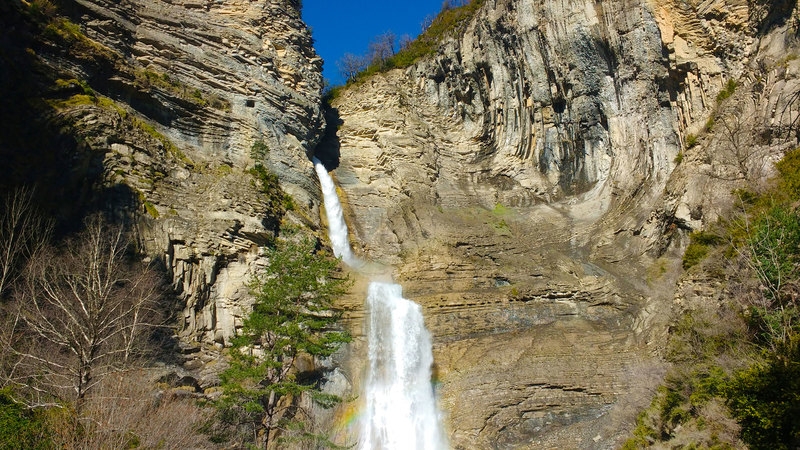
[
  {"x": 194, "y": 85},
  {"x": 523, "y": 183},
  {"x": 149, "y": 111}
]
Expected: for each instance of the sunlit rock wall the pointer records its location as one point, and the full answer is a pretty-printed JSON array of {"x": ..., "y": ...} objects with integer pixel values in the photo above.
[{"x": 522, "y": 181}]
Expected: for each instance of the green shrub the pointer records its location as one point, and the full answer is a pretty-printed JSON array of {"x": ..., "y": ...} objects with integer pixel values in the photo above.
[
  {"x": 64, "y": 29},
  {"x": 699, "y": 243},
  {"x": 449, "y": 22},
  {"x": 20, "y": 427},
  {"x": 774, "y": 247},
  {"x": 691, "y": 140},
  {"x": 71, "y": 102},
  {"x": 727, "y": 91},
  {"x": 708, "y": 382},
  {"x": 43, "y": 9},
  {"x": 706, "y": 238},
  {"x": 500, "y": 210},
  {"x": 643, "y": 434},
  {"x": 709, "y": 126},
  {"x": 259, "y": 150},
  {"x": 789, "y": 171},
  {"x": 288, "y": 203},
  {"x": 276, "y": 201},
  {"x": 267, "y": 182},
  {"x": 223, "y": 170},
  {"x": 331, "y": 94},
  {"x": 679, "y": 158},
  {"x": 765, "y": 400},
  {"x": 502, "y": 227},
  {"x": 151, "y": 209}
]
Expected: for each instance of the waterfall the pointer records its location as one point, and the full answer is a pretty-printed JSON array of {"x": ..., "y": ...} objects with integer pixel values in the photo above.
[
  {"x": 400, "y": 410},
  {"x": 337, "y": 228}
]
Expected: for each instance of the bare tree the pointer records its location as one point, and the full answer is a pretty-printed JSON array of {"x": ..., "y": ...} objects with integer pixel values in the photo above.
[
  {"x": 427, "y": 22},
  {"x": 734, "y": 151},
  {"x": 23, "y": 231},
  {"x": 382, "y": 47},
  {"x": 80, "y": 314},
  {"x": 405, "y": 41},
  {"x": 350, "y": 65},
  {"x": 739, "y": 149},
  {"x": 453, "y": 4}
]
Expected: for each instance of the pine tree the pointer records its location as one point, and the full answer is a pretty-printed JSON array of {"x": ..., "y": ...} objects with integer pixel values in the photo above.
[{"x": 292, "y": 316}]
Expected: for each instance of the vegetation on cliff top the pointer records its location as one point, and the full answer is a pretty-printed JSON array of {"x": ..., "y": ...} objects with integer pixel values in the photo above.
[{"x": 450, "y": 21}]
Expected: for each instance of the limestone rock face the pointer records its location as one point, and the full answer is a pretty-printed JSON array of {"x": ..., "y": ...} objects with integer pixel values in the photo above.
[
  {"x": 523, "y": 184},
  {"x": 530, "y": 184},
  {"x": 196, "y": 84},
  {"x": 253, "y": 63}
]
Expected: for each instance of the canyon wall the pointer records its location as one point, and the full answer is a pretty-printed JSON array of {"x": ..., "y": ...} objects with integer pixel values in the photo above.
[
  {"x": 253, "y": 67},
  {"x": 151, "y": 110},
  {"x": 533, "y": 183}
]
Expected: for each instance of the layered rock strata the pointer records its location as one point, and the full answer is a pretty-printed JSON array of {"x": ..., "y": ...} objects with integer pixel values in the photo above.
[
  {"x": 206, "y": 80},
  {"x": 531, "y": 183},
  {"x": 523, "y": 183}
]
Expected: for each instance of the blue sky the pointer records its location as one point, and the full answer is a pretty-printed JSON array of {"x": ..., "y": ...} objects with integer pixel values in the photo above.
[{"x": 348, "y": 26}]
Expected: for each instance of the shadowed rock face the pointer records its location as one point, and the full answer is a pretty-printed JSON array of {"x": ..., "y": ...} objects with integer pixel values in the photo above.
[
  {"x": 253, "y": 71},
  {"x": 183, "y": 90},
  {"x": 522, "y": 183}
]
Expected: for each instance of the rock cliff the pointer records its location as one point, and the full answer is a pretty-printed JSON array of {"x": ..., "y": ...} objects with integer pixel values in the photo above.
[
  {"x": 150, "y": 111},
  {"x": 253, "y": 69},
  {"x": 532, "y": 182}
]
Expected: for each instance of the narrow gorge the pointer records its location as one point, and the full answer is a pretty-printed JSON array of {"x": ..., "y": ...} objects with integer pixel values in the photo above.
[{"x": 532, "y": 183}]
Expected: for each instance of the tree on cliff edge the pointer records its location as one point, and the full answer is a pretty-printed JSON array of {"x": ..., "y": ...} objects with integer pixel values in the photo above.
[{"x": 292, "y": 321}]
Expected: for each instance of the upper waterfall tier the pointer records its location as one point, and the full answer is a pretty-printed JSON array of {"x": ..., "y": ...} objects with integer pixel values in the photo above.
[{"x": 337, "y": 228}]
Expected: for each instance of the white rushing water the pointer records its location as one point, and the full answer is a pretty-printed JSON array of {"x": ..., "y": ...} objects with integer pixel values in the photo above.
[
  {"x": 400, "y": 410},
  {"x": 337, "y": 228}
]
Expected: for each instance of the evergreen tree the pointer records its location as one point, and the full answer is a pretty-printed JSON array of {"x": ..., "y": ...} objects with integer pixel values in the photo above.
[{"x": 292, "y": 317}]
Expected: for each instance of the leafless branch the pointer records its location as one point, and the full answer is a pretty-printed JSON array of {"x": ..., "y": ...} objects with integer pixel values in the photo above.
[
  {"x": 23, "y": 231},
  {"x": 82, "y": 313}
]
